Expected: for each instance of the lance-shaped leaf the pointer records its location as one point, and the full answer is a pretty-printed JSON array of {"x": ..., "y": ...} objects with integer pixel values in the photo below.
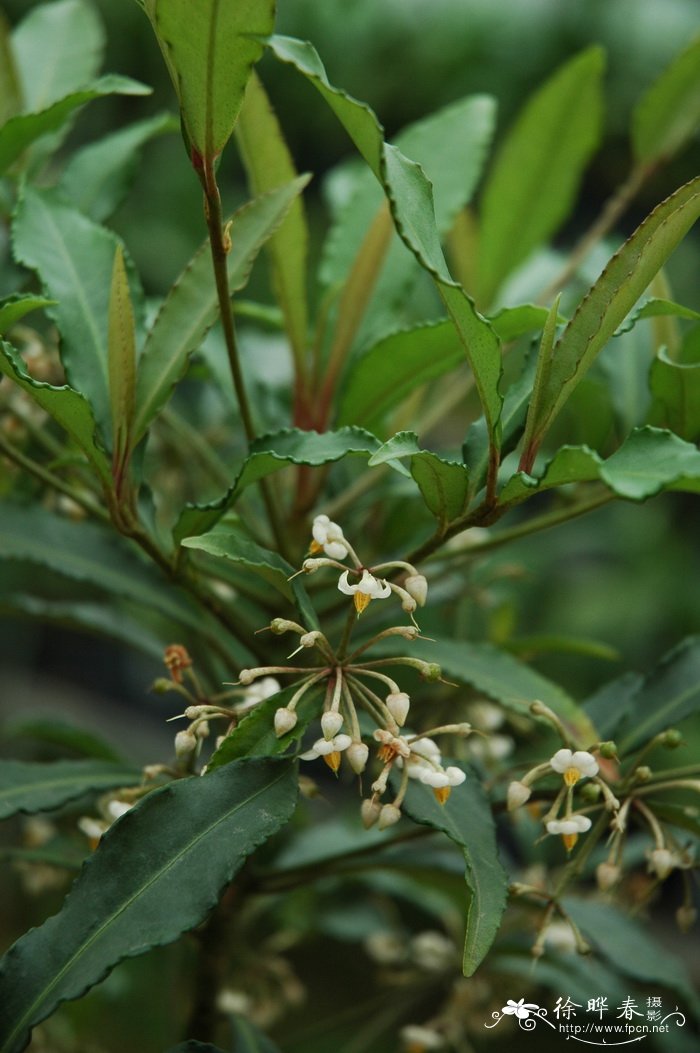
[
  {"x": 538, "y": 168},
  {"x": 98, "y": 176},
  {"x": 675, "y": 387},
  {"x": 191, "y": 307},
  {"x": 121, "y": 357},
  {"x": 10, "y": 91},
  {"x": 26, "y": 786},
  {"x": 67, "y": 407},
  {"x": 668, "y": 115},
  {"x": 668, "y": 694},
  {"x": 65, "y": 41},
  {"x": 74, "y": 258},
  {"x": 14, "y": 307},
  {"x": 210, "y": 52},
  {"x": 649, "y": 461},
  {"x": 198, "y": 832},
  {"x": 24, "y": 129},
  {"x": 255, "y": 735},
  {"x": 271, "y": 453},
  {"x": 236, "y": 547},
  {"x": 410, "y": 198},
  {"x": 657, "y": 308},
  {"x": 269, "y": 165},
  {"x": 610, "y": 300},
  {"x": 504, "y": 679},
  {"x": 466, "y": 819},
  {"x": 444, "y": 485}
]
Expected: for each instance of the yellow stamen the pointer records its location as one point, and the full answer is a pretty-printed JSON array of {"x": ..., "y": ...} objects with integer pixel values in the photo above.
[
  {"x": 361, "y": 600},
  {"x": 314, "y": 547},
  {"x": 569, "y": 841},
  {"x": 333, "y": 760},
  {"x": 572, "y": 776},
  {"x": 387, "y": 753},
  {"x": 442, "y": 793}
]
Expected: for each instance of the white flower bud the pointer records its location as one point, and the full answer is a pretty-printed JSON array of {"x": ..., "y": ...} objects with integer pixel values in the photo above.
[
  {"x": 331, "y": 723},
  {"x": 192, "y": 712},
  {"x": 185, "y": 744},
  {"x": 607, "y": 876},
  {"x": 285, "y": 720},
  {"x": 357, "y": 755},
  {"x": 281, "y": 625},
  {"x": 115, "y": 809},
  {"x": 309, "y": 639},
  {"x": 246, "y": 676},
  {"x": 398, "y": 704},
  {"x": 369, "y": 812},
  {"x": 420, "y": 1039},
  {"x": 662, "y": 862},
  {"x": 388, "y": 815},
  {"x": 201, "y": 729},
  {"x": 409, "y": 604},
  {"x": 417, "y": 587},
  {"x": 518, "y": 793}
]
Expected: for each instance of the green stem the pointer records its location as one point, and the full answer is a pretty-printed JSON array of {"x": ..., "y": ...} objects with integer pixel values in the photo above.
[
  {"x": 51, "y": 480},
  {"x": 574, "y": 868}
]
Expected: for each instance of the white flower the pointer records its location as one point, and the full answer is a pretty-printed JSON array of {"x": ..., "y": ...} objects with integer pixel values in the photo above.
[
  {"x": 560, "y": 936},
  {"x": 574, "y": 766},
  {"x": 328, "y": 537},
  {"x": 569, "y": 828},
  {"x": 494, "y": 748},
  {"x": 521, "y": 1008},
  {"x": 433, "y": 951},
  {"x": 329, "y": 749},
  {"x": 486, "y": 716},
  {"x": 368, "y": 588},
  {"x": 257, "y": 692},
  {"x": 115, "y": 808}
]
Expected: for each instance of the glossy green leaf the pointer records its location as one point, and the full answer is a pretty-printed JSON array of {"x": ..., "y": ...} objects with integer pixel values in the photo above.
[
  {"x": 236, "y": 547},
  {"x": 650, "y": 461},
  {"x": 543, "y": 365},
  {"x": 444, "y": 485},
  {"x": 27, "y": 786},
  {"x": 675, "y": 387},
  {"x": 466, "y": 819},
  {"x": 68, "y": 738},
  {"x": 98, "y": 176},
  {"x": 21, "y": 131},
  {"x": 191, "y": 307},
  {"x": 255, "y": 735},
  {"x": 657, "y": 308},
  {"x": 668, "y": 115},
  {"x": 411, "y": 201},
  {"x": 269, "y": 165},
  {"x": 503, "y": 678},
  {"x": 538, "y": 169},
  {"x": 66, "y": 406},
  {"x": 669, "y": 693},
  {"x": 10, "y": 91},
  {"x": 74, "y": 259},
  {"x": 121, "y": 358},
  {"x": 199, "y": 832},
  {"x": 58, "y": 49},
  {"x": 608, "y": 706},
  {"x": 611, "y": 299},
  {"x": 269, "y": 454},
  {"x": 209, "y": 54},
  {"x": 14, "y": 307}
]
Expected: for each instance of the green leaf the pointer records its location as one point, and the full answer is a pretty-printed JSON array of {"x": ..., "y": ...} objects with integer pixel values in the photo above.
[
  {"x": 121, "y": 359},
  {"x": 269, "y": 454},
  {"x": 444, "y": 485},
  {"x": 411, "y": 201},
  {"x": 98, "y": 176},
  {"x": 668, "y": 115},
  {"x": 74, "y": 259},
  {"x": 269, "y": 165},
  {"x": 67, "y": 407},
  {"x": 506, "y": 680},
  {"x": 191, "y": 307},
  {"x": 542, "y": 370},
  {"x": 675, "y": 387},
  {"x": 609, "y": 704},
  {"x": 10, "y": 91},
  {"x": 14, "y": 307},
  {"x": 198, "y": 832},
  {"x": 66, "y": 737},
  {"x": 21, "y": 131},
  {"x": 195, "y": 1047},
  {"x": 669, "y": 693},
  {"x": 657, "y": 308},
  {"x": 538, "y": 169},
  {"x": 648, "y": 462},
  {"x": 513, "y": 322},
  {"x": 255, "y": 735},
  {"x": 466, "y": 819},
  {"x": 31, "y": 787},
  {"x": 237, "y": 547},
  {"x": 58, "y": 49},
  {"x": 247, "y": 1038},
  {"x": 210, "y": 54},
  {"x": 612, "y": 297}
]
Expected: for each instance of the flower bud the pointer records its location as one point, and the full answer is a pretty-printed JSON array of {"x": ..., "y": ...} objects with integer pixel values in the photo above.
[
  {"x": 430, "y": 671},
  {"x": 246, "y": 676},
  {"x": 331, "y": 723},
  {"x": 201, "y": 729},
  {"x": 518, "y": 793},
  {"x": 416, "y": 1039},
  {"x": 608, "y": 750},
  {"x": 417, "y": 587},
  {"x": 661, "y": 863},
  {"x": 388, "y": 815},
  {"x": 192, "y": 712},
  {"x": 643, "y": 774},
  {"x": 185, "y": 744},
  {"x": 369, "y": 811},
  {"x": 686, "y": 917},
  {"x": 672, "y": 738},
  {"x": 398, "y": 704},
  {"x": 161, "y": 686},
  {"x": 357, "y": 755},
  {"x": 590, "y": 792},
  {"x": 281, "y": 625},
  {"x": 285, "y": 720},
  {"x": 408, "y": 604},
  {"x": 607, "y": 876},
  {"x": 309, "y": 639}
]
